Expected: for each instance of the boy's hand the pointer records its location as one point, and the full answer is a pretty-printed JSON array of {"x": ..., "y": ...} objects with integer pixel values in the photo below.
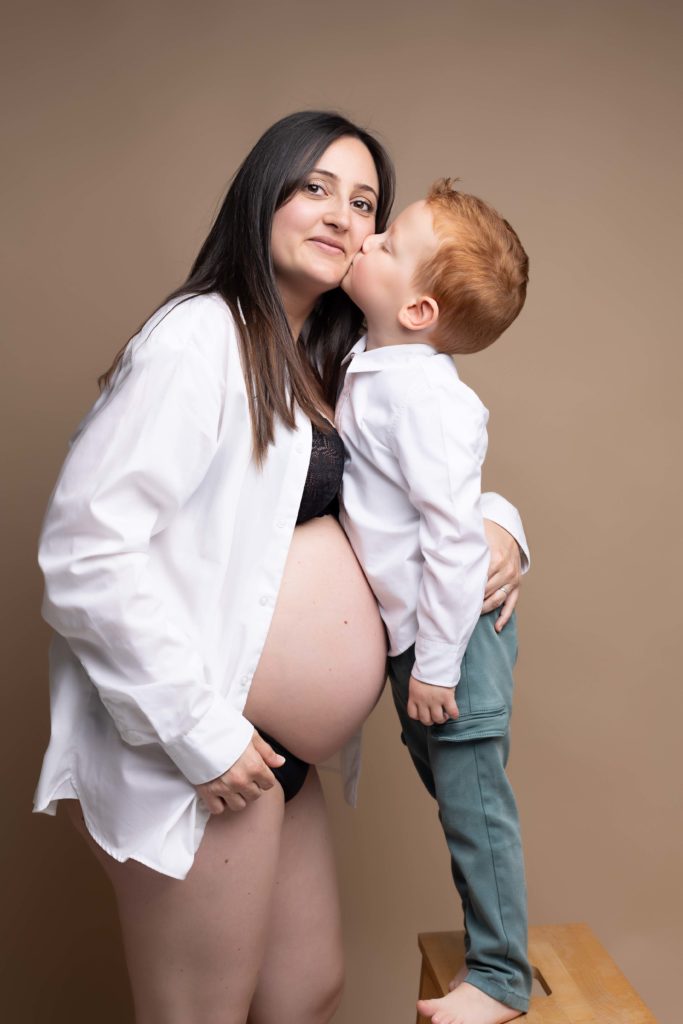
[{"x": 431, "y": 705}]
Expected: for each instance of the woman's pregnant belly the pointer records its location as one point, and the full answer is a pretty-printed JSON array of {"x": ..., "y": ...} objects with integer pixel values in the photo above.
[{"x": 323, "y": 665}]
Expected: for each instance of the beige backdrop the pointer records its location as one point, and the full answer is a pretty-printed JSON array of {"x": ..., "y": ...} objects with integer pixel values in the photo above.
[{"x": 125, "y": 121}]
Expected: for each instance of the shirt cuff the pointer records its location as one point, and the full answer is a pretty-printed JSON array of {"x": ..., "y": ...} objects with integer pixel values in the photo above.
[
  {"x": 499, "y": 510},
  {"x": 213, "y": 745},
  {"x": 437, "y": 662}
]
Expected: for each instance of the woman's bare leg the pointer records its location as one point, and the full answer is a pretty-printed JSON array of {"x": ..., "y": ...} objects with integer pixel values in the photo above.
[
  {"x": 194, "y": 947},
  {"x": 302, "y": 974}
]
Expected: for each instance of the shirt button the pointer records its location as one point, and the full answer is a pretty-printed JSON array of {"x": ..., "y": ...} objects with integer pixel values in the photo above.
[
  {"x": 263, "y": 600},
  {"x": 281, "y": 524},
  {"x": 245, "y": 680}
]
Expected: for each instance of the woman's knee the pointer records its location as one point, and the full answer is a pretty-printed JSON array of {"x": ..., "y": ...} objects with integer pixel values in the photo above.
[
  {"x": 313, "y": 1002},
  {"x": 323, "y": 1000},
  {"x": 330, "y": 995}
]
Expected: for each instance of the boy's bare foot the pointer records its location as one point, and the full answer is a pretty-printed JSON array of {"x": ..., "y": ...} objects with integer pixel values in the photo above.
[
  {"x": 458, "y": 978},
  {"x": 466, "y": 1005}
]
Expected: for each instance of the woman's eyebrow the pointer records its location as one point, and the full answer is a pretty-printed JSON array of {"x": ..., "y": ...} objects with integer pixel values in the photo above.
[{"x": 335, "y": 177}]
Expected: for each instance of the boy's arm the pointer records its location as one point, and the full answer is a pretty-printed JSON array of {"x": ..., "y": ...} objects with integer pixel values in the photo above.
[{"x": 439, "y": 440}]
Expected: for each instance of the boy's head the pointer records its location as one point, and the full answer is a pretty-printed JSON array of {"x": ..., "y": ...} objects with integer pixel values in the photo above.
[{"x": 449, "y": 270}]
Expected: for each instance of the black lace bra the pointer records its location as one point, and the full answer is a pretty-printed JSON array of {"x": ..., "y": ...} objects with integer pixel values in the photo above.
[{"x": 324, "y": 476}]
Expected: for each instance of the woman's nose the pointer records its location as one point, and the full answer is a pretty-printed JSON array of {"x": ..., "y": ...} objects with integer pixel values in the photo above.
[{"x": 337, "y": 214}]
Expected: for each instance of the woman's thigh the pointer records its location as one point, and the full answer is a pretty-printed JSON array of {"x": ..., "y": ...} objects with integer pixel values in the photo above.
[
  {"x": 301, "y": 977},
  {"x": 194, "y": 947}
]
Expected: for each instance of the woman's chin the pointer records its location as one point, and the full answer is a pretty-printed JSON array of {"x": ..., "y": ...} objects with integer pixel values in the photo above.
[
  {"x": 317, "y": 281},
  {"x": 330, "y": 273},
  {"x": 337, "y": 282}
]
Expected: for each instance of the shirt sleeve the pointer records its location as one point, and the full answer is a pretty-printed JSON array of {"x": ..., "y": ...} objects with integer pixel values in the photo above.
[
  {"x": 499, "y": 510},
  {"x": 440, "y": 443},
  {"x": 137, "y": 458}
]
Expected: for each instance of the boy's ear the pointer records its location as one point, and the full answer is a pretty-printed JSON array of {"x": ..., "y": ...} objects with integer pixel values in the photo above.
[{"x": 420, "y": 314}]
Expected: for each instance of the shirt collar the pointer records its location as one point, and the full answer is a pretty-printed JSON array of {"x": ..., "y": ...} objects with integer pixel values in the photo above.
[{"x": 360, "y": 361}]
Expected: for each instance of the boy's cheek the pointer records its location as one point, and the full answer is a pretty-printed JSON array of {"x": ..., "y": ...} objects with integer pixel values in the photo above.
[
  {"x": 351, "y": 285},
  {"x": 347, "y": 286},
  {"x": 359, "y": 278}
]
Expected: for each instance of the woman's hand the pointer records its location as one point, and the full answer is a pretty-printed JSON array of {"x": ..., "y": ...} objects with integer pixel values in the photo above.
[
  {"x": 245, "y": 781},
  {"x": 502, "y": 586}
]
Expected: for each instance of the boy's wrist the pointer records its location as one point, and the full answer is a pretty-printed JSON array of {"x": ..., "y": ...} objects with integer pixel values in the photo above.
[
  {"x": 433, "y": 682},
  {"x": 437, "y": 662}
]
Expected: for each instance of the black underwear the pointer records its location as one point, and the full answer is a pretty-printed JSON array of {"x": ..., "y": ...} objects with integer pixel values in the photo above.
[
  {"x": 292, "y": 774},
  {"x": 324, "y": 476}
]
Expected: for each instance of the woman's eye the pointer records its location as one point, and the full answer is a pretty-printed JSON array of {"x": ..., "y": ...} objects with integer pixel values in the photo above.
[
  {"x": 364, "y": 205},
  {"x": 314, "y": 188}
]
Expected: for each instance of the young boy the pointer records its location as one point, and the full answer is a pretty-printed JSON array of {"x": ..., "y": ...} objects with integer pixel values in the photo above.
[{"x": 448, "y": 277}]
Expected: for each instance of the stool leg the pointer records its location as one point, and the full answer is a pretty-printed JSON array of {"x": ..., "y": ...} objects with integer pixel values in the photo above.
[{"x": 428, "y": 989}]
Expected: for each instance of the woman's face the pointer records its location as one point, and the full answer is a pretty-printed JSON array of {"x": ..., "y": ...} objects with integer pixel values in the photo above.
[{"x": 318, "y": 231}]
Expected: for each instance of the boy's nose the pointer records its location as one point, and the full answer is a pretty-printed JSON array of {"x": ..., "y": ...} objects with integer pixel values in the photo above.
[{"x": 370, "y": 242}]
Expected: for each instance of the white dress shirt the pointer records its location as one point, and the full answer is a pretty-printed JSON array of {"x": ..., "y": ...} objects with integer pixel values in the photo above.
[{"x": 411, "y": 500}]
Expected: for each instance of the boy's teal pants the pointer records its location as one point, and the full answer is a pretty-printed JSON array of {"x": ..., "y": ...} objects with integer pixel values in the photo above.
[{"x": 462, "y": 764}]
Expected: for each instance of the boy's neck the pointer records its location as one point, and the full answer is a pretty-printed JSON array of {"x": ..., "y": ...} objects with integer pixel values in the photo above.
[{"x": 383, "y": 339}]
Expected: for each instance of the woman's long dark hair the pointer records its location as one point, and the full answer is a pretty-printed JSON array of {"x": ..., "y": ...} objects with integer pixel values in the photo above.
[{"x": 235, "y": 260}]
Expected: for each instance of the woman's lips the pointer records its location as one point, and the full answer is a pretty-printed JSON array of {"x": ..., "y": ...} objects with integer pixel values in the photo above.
[{"x": 329, "y": 247}]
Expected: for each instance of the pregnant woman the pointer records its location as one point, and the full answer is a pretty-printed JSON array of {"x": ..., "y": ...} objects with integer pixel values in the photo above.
[{"x": 214, "y": 635}]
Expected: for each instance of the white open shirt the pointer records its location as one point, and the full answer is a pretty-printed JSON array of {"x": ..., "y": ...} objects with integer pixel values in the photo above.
[
  {"x": 411, "y": 501},
  {"x": 163, "y": 549}
]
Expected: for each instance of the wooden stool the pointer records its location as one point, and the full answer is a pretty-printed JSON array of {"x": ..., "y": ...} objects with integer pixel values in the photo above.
[{"x": 581, "y": 983}]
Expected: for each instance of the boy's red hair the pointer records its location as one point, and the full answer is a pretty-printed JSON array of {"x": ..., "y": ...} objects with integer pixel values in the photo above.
[{"x": 478, "y": 275}]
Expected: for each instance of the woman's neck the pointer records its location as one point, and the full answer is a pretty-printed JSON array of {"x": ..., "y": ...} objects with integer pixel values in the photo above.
[{"x": 297, "y": 308}]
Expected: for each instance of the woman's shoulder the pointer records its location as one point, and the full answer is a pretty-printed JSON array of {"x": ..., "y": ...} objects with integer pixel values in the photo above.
[
  {"x": 198, "y": 319},
  {"x": 202, "y": 325}
]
